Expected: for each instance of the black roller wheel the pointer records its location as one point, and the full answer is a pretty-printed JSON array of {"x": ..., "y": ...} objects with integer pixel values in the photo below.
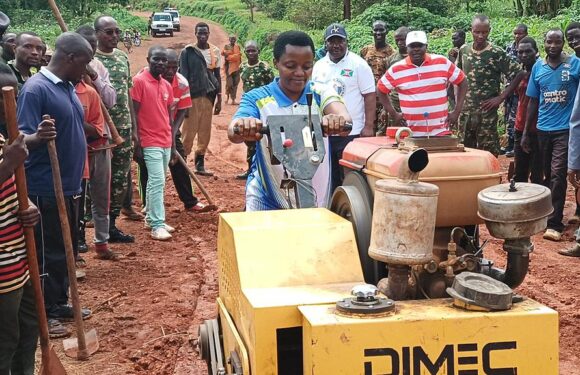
[
  {"x": 204, "y": 342},
  {"x": 354, "y": 204}
]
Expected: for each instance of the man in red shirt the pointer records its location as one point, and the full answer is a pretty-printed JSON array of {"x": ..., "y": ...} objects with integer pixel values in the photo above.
[
  {"x": 99, "y": 168},
  {"x": 181, "y": 103},
  {"x": 527, "y": 165},
  {"x": 152, "y": 99}
]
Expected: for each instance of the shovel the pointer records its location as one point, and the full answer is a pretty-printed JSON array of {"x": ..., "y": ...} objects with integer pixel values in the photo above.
[
  {"x": 211, "y": 205},
  {"x": 50, "y": 364},
  {"x": 85, "y": 344}
]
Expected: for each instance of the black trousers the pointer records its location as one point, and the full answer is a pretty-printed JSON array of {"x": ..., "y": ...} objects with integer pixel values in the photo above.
[
  {"x": 128, "y": 200},
  {"x": 528, "y": 167},
  {"x": 251, "y": 151},
  {"x": 554, "y": 150},
  {"x": 18, "y": 331},
  {"x": 179, "y": 175},
  {"x": 337, "y": 146},
  {"x": 50, "y": 247}
]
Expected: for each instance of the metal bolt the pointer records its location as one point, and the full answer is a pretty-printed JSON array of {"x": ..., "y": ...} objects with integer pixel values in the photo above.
[
  {"x": 315, "y": 159},
  {"x": 364, "y": 291}
]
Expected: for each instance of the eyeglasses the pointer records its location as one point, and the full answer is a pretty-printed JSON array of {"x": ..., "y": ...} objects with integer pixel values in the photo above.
[{"x": 110, "y": 31}]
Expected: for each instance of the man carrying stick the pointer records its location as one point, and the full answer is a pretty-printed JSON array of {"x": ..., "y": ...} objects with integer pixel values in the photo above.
[
  {"x": 51, "y": 93},
  {"x": 117, "y": 63}
]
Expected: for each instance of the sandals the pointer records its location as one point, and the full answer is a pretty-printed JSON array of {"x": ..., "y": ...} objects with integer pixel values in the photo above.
[
  {"x": 200, "y": 207},
  {"x": 108, "y": 255}
]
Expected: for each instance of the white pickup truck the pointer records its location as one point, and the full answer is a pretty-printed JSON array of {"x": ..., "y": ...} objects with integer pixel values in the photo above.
[
  {"x": 161, "y": 23},
  {"x": 175, "y": 17}
]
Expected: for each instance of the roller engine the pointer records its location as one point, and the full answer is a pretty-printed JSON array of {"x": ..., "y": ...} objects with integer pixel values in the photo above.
[
  {"x": 363, "y": 288},
  {"x": 424, "y": 228}
]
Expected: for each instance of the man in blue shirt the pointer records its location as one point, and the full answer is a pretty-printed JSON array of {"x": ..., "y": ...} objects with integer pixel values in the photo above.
[
  {"x": 50, "y": 92},
  {"x": 552, "y": 89}
]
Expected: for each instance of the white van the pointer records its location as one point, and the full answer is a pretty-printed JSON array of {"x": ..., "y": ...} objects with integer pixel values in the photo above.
[
  {"x": 175, "y": 15},
  {"x": 161, "y": 23}
]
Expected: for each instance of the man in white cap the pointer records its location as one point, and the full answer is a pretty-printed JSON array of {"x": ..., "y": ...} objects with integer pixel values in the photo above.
[
  {"x": 421, "y": 80},
  {"x": 353, "y": 79}
]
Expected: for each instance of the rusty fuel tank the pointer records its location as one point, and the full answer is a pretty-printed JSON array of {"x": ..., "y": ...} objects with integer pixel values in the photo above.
[
  {"x": 403, "y": 224},
  {"x": 459, "y": 172}
]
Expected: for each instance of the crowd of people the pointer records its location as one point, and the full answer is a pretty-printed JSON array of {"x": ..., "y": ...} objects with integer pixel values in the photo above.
[{"x": 82, "y": 93}]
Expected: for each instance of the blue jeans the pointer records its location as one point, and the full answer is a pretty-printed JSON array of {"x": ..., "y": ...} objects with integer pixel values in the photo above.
[{"x": 157, "y": 162}]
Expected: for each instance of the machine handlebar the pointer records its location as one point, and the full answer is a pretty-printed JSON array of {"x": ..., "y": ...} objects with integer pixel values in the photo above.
[{"x": 264, "y": 130}]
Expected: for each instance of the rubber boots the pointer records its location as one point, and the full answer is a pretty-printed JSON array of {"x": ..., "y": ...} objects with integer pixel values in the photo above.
[{"x": 200, "y": 166}]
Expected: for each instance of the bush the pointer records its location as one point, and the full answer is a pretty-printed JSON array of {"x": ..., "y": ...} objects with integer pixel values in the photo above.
[
  {"x": 43, "y": 23},
  {"x": 397, "y": 15},
  {"x": 314, "y": 14},
  {"x": 276, "y": 9}
]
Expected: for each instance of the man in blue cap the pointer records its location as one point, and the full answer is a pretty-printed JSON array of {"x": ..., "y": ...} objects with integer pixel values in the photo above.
[{"x": 353, "y": 79}]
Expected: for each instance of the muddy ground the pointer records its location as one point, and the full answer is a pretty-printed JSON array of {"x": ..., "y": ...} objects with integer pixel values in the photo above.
[{"x": 162, "y": 290}]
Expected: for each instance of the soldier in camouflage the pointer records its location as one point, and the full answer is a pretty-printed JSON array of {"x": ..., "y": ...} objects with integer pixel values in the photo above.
[
  {"x": 375, "y": 55},
  {"x": 457, "y": 39},
  {"x": 117, "y": 63},
  {"x": 401, "y": 41},
  {"x": 254, "y": 73},
  {"x": 484, "y": 65}
]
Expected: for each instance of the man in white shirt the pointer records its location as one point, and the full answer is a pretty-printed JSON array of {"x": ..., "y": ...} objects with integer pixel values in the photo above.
[{"x": 352, "y": 78}]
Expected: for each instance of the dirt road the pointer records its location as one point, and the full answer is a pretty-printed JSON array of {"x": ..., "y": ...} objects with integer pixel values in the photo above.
[{"x": 170, "y": 287}]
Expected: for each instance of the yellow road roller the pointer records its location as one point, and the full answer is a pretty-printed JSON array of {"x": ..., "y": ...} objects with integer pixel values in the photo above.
[{"x": 293, "y": 297}]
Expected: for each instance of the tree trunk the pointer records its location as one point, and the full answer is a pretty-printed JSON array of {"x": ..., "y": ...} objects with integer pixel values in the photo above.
[
  {"x": 347, "y": 9},
  {"x": 519, "y": 8}
]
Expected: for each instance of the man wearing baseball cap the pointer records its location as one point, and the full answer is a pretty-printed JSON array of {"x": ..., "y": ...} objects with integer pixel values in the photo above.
[
  {"x": 352, "y": 78},
  {"x": 421, "y": 80}
]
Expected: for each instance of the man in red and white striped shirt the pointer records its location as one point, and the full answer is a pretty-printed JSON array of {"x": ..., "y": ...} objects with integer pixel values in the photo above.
[{"x": 421, "y": 81}]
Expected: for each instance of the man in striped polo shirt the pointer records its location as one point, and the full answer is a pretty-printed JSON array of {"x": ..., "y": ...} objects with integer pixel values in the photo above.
[
  {"x": 421, "y": 81},
  {"x": 18, "y": 325}
]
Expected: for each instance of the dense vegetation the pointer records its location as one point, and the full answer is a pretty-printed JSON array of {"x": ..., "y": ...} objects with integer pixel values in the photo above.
[
  {"x": 41, "y": 21},
  {"x": 439, "y": 17}
]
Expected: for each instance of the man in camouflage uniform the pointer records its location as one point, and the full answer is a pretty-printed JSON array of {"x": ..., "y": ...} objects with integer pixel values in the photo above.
[
  {"x": 401, "y": 42},
  {"x": 484, "y": 65},
  {"x": 254, "y": 74},
  {"x": 117, "y": 63},
  {"x": 376, "y": 55}
]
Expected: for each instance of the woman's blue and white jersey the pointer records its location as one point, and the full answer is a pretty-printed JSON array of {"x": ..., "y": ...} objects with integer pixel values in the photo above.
[{"x": 263, "y": 186}]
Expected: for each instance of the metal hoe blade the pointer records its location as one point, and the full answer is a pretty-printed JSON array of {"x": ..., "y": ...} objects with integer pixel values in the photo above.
[
  {"x": 53, "y": 366},
  {"x": 71, "y": 347}
]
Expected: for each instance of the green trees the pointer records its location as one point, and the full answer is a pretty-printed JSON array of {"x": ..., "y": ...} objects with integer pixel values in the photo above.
[{"x": 540, "y": 7}]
